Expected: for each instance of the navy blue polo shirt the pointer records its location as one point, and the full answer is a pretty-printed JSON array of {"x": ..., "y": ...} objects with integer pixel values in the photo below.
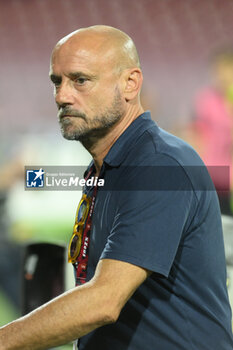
[{"x": 158, "y": 210}]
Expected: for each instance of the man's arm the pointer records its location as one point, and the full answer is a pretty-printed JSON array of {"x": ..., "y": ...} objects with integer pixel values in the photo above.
[{"x": 76, "y": 312}]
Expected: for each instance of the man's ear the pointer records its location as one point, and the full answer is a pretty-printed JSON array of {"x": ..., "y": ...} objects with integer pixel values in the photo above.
[{"x": 133, "y": 82}]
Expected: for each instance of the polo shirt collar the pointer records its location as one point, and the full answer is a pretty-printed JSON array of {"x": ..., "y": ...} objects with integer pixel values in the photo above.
[{"x": 127, "y": 139}]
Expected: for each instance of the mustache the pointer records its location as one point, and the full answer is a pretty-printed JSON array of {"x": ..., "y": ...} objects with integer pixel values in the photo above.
[{"x": 67, "y": 111}]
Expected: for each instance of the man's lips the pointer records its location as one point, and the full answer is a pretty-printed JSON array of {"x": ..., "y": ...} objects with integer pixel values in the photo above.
[
  {"x": 64, "y": 114},
  {"x": 67, "y": 117},
  {"x": 69, "y": 114}
]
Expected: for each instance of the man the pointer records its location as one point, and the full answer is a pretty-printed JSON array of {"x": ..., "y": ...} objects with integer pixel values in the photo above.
[{"x": 155, "y": 277}]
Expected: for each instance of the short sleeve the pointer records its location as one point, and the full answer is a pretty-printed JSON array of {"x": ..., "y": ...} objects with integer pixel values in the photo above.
[{"x": 149, "y": 224}]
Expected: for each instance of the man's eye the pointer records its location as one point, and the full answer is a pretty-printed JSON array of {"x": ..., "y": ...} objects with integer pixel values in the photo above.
[
  {"x": 56, "y": 83},
  {"x": 81, "y": 80}
]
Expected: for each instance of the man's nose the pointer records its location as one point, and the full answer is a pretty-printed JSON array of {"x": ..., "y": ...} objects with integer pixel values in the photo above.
[{"x": 64, "y": 94}]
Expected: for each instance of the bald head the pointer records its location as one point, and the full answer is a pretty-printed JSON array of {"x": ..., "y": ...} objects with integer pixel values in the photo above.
[
  {"x": 110, "y": 43},
  {"x": 97, "y": 81}
]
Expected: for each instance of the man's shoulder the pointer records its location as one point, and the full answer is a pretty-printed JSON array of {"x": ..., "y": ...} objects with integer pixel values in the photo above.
[
  {"x": 167, "y": 162},
  {"x": 156, "y": 145}
]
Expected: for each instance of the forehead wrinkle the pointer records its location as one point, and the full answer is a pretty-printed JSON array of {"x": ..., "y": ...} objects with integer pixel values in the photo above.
[{"x": 69, "y": 60}]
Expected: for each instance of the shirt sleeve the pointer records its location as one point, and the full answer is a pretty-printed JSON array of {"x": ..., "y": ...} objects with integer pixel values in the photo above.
[{"x": 149, "y": 224}]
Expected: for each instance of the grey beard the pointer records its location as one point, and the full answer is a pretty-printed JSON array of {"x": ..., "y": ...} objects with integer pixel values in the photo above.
[
  {"x": 88, "y": 137},
  {"x": 99, "y": 126}
]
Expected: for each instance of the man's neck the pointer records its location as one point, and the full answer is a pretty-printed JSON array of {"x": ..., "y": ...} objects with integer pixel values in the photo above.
[{"x": 100, "y": 148}]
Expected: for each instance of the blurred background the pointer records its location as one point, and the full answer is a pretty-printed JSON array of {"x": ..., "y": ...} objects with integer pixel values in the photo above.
[{"x": 186, "y": 51}]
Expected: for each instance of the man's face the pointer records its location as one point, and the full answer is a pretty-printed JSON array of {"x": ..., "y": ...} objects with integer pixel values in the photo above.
[{"x": 86, "y": 91}]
